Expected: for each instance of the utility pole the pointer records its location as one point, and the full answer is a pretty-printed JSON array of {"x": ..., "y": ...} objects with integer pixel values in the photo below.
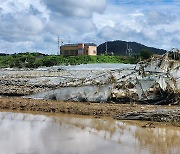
[
  {"x": 106, "y": 48},
  {"x": 129, "y": 50},
  {"x": 58, "y": 47},
  {"x": 59, "y": 41}
]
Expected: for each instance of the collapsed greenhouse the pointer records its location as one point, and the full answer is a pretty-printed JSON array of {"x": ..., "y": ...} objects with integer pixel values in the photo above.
[{"x": 154, "y": 81}]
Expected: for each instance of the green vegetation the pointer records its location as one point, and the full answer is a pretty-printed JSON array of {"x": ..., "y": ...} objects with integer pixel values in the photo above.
[
  {"x": 145, "y": 54},
  {"x": 34, "y": 60}
]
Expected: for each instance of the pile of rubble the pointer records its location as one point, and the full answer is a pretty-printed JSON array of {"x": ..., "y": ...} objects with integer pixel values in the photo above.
[{"x": 154, "y": 81}]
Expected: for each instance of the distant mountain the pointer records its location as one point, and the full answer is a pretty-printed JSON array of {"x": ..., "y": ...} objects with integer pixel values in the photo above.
[{"x": 120, "y": 47}]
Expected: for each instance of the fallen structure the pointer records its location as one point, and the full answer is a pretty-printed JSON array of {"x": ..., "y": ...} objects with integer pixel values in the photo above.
[{"x": 154, "y": 81}]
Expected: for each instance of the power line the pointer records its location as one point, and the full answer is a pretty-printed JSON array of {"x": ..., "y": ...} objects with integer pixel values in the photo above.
[{"x": 128, "y": 50}]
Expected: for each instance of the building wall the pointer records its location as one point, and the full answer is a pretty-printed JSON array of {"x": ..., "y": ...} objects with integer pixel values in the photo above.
[
  {"x": 92, "y": 50},
  {"x": 70, "y": 47},
  {"x": 69, "y": 50},
  {"x": 79, "y": 49}
]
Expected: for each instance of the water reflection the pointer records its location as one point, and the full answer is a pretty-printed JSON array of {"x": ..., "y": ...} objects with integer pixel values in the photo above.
[{"x": 67, "y": 134}]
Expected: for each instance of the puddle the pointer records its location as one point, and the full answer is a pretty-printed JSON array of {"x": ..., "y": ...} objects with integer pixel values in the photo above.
[{"x": 25, "y": 133}]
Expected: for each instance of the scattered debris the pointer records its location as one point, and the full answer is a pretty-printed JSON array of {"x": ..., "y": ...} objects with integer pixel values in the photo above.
[
  {"x": 160, "y": 115},
  {"x": 154, "y": 81},
  {"x": 149, "y": 125}
]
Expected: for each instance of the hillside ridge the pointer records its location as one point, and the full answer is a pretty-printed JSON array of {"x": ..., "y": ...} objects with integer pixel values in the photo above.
[{"x": 119, "y": 47}]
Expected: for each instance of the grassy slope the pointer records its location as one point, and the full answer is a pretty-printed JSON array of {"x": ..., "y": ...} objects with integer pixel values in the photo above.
[{"x": 33, "y": 60}]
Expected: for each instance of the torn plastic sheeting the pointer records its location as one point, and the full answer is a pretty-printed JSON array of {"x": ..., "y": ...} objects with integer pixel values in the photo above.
[
  {"x": 83, "y": 93},
  {"x": 162, "y": 83},
  {"x": 142, "y": 86}
]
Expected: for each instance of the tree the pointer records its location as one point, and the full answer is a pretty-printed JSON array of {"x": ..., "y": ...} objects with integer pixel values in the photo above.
[
  {"x": 50, "y": 61},
  {"x": 145, "y": 54}
]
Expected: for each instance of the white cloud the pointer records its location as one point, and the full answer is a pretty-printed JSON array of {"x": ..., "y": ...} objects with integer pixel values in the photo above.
[
  {"x": 20, "y": 27},
  {"x": 79, "y": 8},
  {"x": 14, "y": 47},
  {"x": 157, "y": 26},
  {"x": 24, "y": 6},
  {"x": 36, "y": 24}
]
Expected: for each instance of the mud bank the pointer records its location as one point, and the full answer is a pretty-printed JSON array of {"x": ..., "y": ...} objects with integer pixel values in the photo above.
[
  {"x": 154, "y": 113},
  {"x": 159, "y": 115}
]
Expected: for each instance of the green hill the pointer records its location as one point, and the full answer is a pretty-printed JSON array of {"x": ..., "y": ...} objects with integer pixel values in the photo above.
[{"x": 119, "y": 48}]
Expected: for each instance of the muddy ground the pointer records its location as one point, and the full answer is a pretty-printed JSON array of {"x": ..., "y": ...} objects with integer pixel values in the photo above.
[{"x": 153, "y": 113}]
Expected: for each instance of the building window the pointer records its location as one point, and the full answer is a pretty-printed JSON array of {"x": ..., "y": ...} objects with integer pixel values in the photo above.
[{"x": 94, "y": 52}]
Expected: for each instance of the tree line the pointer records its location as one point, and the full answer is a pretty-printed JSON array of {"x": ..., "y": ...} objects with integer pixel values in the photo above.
[{"x": 35, "y": 60}]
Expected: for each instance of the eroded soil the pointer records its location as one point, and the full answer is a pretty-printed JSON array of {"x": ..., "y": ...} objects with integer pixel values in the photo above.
[{"x": 116, "y": 111}]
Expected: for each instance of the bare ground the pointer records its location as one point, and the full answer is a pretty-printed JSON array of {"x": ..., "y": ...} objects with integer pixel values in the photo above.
[{"x": 169, "y": 114}]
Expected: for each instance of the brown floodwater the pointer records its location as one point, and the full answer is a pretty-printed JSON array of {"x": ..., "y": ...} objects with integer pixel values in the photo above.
[{"x": 28, "y": 133}]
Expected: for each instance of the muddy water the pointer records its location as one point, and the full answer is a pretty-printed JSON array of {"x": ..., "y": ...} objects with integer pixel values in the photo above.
[{"x": 27, "y": 133}]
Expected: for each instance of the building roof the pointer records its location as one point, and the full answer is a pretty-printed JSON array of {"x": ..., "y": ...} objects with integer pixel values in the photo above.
[
  {"x": 87, "y": 44},
  {"x": 90, "y": 44}
]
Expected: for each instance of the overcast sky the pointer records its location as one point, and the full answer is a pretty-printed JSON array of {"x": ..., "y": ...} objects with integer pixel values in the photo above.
[{"x": 30, "y": 25}]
